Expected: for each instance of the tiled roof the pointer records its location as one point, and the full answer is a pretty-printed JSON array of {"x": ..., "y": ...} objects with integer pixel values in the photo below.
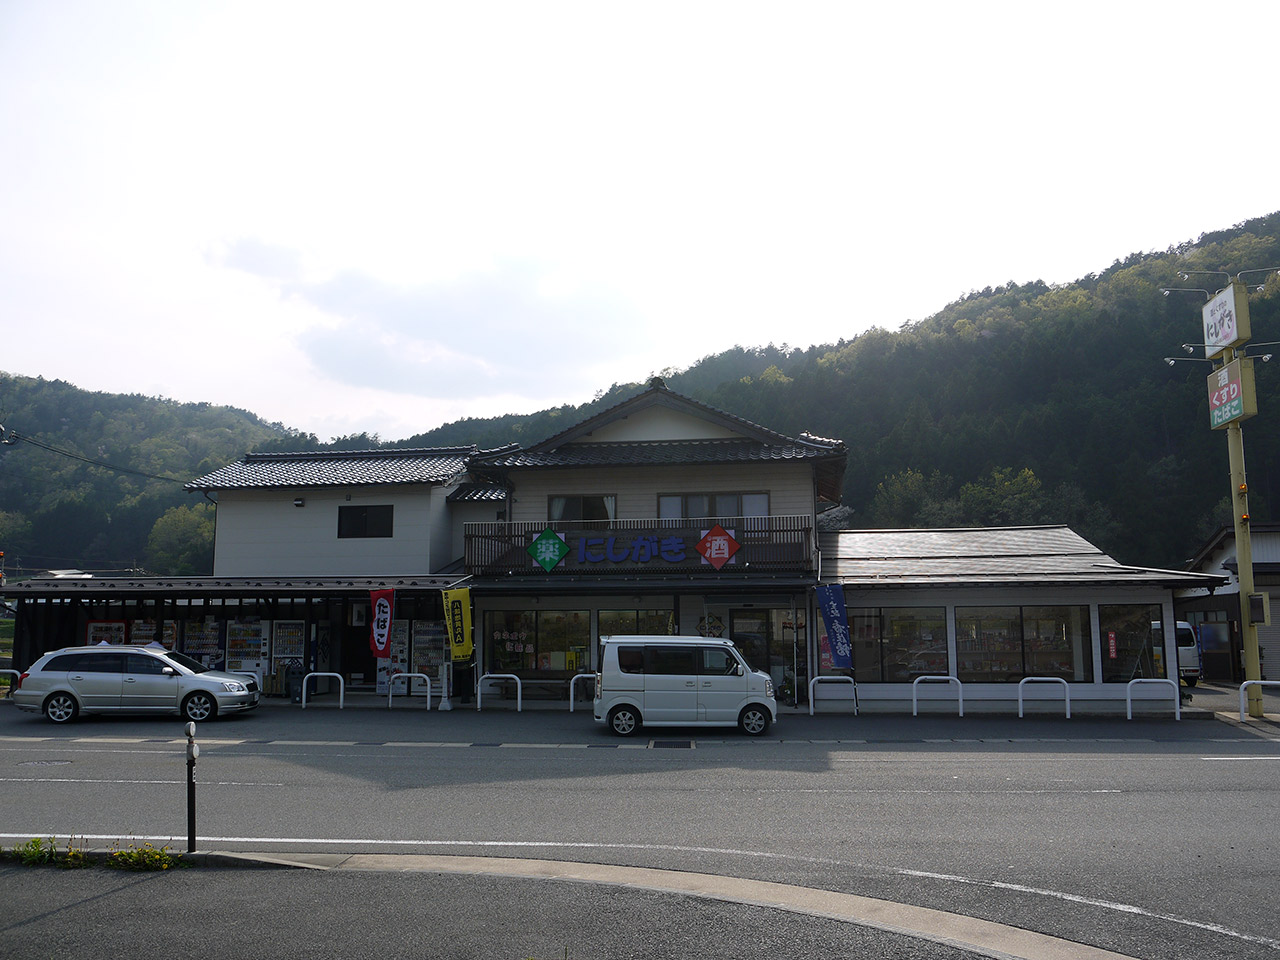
[
  {"x": 477, "y": 493},
  {"x": 337, "y": 468},
  {"x": 658, "y": 452},
  {"x": 977, "y": 557}
]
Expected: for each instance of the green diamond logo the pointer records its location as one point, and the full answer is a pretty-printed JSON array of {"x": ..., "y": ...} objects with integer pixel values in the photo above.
[{"x": 548, "y": 549}]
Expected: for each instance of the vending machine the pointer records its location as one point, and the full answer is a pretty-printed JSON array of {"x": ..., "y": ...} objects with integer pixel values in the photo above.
[
  {"x": 430, "y": 641},
  {"x": 248, "y": 641}
]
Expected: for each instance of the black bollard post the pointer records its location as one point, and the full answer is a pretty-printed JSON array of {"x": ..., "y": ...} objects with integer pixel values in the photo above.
[{"x": 193, "y": 751}]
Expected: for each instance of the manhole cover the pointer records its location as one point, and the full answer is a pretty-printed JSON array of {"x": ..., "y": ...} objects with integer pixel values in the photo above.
[
  {"x": 671, "y": 744},
  {"x": 44, "y": 763}
]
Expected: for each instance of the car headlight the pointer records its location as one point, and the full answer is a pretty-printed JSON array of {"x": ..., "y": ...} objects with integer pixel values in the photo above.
[
  {"x": 768, "y": 688},
  {"x": 233, "y": 686}
]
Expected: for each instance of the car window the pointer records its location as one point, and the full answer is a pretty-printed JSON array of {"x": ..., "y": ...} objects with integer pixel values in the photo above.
[
  {"x": 64, "y": 661},
  {"x": 182, "y": 660},
  {"x": 717, "y": 662},
  {"x": 141, "y": 663},
  {"x": 101, "y": 663},
  {"x": 678, "y": 661},
  {"x": 631, "y": 659}
]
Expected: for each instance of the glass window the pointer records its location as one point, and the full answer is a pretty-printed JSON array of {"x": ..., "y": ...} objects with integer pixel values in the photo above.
[
  {"x": 670, "y": 661},
  {"x": 1058, "y": 642},
  {"x": 631, "y": 659},
  {"x": 717, "y": 662},
  {"x": 670, "y": 507},
  {"x": 101, "y": 663},
  {"x": 595, "y": 507},
  {"x": 356, "y": 522},
  {"x": 564, "y": 637},
  {"x": 896, "y": 645},
  {"x": 642, "y": 623},
  {"x": 1128, "y": 650},
  {"x": 704, "y": 506},
  {"x": 989, "y": 644},
  {"x": 511, "y": 636},
  {"x": 755, "y": 505},
  {"x": 140, "y": 663}
]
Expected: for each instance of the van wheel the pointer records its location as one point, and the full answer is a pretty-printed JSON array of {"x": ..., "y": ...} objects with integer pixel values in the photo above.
[
  {"x": 753, "y": 720},
  {"x": 624, "y": 721},
  {"x": 1190, "y": 681},
  {"x": 61, "y": 708}
]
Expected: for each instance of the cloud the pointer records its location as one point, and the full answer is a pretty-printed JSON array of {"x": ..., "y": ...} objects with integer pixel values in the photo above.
[{"x": 510, "y": 330}]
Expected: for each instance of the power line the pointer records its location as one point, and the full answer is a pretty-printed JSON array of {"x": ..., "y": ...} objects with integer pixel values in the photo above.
[{"x": 12, "y": 436}]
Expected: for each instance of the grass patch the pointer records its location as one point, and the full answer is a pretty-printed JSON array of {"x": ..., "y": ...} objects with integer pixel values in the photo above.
[{"x": 45, "y": 852}]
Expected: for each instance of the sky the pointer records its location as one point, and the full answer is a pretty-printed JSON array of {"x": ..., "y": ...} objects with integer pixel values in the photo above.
[{"x": 381, "y": 217}]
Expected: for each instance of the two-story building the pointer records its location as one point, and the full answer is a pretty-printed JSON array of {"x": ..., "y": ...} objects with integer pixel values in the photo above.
[{"x": 659, "y": 515}]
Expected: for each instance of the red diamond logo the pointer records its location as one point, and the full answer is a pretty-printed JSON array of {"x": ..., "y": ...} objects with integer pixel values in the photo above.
[{"x": 717, "y": 546}]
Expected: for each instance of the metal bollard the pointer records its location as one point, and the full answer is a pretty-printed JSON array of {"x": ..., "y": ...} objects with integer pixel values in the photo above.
[{"x": 193, "y": 751}]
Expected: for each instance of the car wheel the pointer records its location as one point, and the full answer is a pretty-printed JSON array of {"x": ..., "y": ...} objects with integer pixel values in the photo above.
[
  {"x": 1190, "y": 681},
  {"x": 624, "y": 721},
  {"x": 61, "y": 708},
  {"x": 200, "y": 706},
  {"x": 754, "y": 720}
]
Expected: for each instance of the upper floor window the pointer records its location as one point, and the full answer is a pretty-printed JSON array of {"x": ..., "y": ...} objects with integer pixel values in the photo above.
[
  {"x": 700, "y": 506},
  {"x": 364, "y": 521},
  {"x": 596, "y": 507}
]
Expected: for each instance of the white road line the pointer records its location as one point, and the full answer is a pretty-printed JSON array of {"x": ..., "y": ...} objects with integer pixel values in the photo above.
[
  {"x": 203, "y": 783},
  {"x": 367, "y": 843}
]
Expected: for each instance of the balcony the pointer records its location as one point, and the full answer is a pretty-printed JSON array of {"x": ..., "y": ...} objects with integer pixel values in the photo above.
[{"x": 740, "y": 546}]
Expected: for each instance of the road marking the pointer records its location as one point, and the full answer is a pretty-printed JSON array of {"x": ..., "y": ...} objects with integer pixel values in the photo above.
[
  {"x": 366, "y": 843},
  {"x": 1240, "y": 758},
  {"x": 203, "y": 783}
]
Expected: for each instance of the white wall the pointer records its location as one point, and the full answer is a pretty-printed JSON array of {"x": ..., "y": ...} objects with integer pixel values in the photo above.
[
  {"x": 789, "y": 485},
  {"x": 260, "y": 533}
]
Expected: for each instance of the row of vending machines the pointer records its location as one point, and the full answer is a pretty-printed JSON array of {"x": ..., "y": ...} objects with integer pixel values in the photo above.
[{"x": 270, "y": 649}]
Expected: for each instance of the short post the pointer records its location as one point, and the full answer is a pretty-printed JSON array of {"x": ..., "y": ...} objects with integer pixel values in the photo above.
[{"x": 193, "y": 751}]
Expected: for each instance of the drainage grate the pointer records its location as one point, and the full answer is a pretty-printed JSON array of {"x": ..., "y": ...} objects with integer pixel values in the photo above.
[
  {"x": 671, "y": 744},
  {"x": 44, "y": 763}
]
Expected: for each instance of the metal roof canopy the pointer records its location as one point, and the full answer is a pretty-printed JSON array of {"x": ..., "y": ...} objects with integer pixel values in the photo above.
[
  {"x": 103, "y": 588},
  {"x": 984, "y": 557}
]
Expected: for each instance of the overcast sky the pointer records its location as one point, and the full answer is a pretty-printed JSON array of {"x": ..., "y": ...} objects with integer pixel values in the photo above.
[{"x": 387, "y": 216}]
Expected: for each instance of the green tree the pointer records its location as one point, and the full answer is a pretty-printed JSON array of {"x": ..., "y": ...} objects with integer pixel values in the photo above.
[{"x": 181, "y": 542}]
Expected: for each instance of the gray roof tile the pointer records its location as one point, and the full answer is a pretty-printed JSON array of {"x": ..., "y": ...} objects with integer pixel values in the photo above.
[{"x": 337, "y": 468}]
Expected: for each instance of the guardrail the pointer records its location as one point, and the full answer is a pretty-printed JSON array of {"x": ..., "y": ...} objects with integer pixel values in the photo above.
[
  {"x": 1243, "y": 686},
  {"x": 1066, "y": 690},
  {"x": 1128, "y": 695},
  {"x": 500, "y": 676},
  {"x": 817, "y": 680},
  {"x": 575, "y": 679},
  {"x": 391, "y": 685},
  {"x": 938, "y": 679},
  {"x": 15, "y": 674},
  {"x": 342, "y": 688}
]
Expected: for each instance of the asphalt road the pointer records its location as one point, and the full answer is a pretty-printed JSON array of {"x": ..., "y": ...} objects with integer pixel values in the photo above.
[{"x": 1148, "y": 838}]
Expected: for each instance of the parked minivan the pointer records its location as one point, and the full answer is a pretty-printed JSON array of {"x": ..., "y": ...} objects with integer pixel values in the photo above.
[
  {"x": 1188, "y": 653},
  {"x": 1188, "y": 649},
  {"x": 680, "y": 682}
]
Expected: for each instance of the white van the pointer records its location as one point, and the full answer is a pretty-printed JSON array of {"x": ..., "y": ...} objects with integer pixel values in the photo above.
[
  {"x": 680, "y": 682},
  {"x": 1188, "y": 653},
  {"x": 1188, "y": 650}
]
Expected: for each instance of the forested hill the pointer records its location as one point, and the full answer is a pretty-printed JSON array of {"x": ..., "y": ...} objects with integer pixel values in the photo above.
[
  {"x": 93, "y": 481},
  {"x": 1027, "y": 403}
]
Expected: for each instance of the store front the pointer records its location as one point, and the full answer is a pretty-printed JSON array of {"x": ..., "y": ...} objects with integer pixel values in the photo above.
[{"x": 275, "y": 630}]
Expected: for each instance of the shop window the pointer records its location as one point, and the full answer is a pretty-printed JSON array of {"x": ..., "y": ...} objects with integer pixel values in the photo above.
[
  {"x": 529, "y": 642},
  {"x": 364, "y": 521},
  {"x": 896, "y": 644},
  {"x": 1129, "y": 650},
  {"x": 642, "y": 623}
]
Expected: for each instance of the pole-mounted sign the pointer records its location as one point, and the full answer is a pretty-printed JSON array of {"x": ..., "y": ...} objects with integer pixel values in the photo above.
[
  {"x": 1226, "y": 319},
  {"x": 1232, "y": 394}
]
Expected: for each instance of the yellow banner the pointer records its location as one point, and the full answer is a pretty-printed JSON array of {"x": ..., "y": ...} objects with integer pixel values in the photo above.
[{"x": 457, "y": 618}]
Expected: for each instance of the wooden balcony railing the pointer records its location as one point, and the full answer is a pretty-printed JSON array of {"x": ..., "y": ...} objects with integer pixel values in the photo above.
[{"x": 742, "y": 546}]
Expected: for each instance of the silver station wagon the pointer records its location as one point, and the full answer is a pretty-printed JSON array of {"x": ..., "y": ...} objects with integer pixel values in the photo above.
[{"x": 65, "y": 683}]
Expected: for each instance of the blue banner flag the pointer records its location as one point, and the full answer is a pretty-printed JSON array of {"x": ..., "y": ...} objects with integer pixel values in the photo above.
[{"x": 831, "y": 603}]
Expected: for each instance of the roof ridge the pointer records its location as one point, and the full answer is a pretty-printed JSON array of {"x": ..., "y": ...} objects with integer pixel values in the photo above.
[{"x": 387, "y": 453}]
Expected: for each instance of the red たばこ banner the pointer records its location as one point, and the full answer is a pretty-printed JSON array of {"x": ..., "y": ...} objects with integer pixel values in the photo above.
[{"x": 382, "y": 603}]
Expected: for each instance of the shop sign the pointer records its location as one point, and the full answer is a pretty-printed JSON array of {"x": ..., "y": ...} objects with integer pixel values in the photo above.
[
  {"x": 1232, "y": 394},
  {"x": 718, "y": 546},
  {"x": 1226, "y": 320},
  {"x": 548, "y": 549},
  {"x": 457, "y": 617},
  {"x": 382, "y": 602},
  {"x": 835, "y": 618}
]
